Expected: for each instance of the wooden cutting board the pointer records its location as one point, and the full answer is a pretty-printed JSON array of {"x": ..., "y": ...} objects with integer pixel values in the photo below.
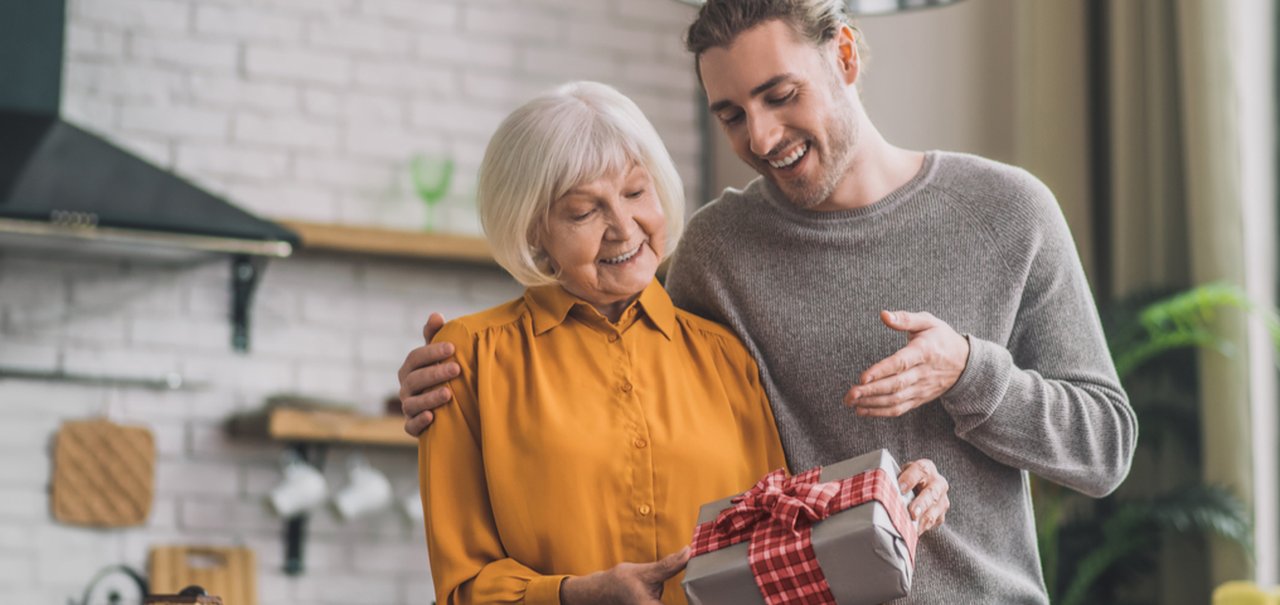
[
  {"x": 178, "y": 599},
  {"x": 229, "y": 573},
  {"x": 103, "y": 473}
]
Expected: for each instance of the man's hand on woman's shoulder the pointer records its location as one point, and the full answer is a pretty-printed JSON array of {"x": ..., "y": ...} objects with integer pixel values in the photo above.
[{"x": 423, "y": 377}]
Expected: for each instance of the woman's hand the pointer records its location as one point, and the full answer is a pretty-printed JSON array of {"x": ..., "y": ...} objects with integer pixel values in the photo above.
[
  {"x": 625, "y": 584},
  {"x": 930, "y": 506}
]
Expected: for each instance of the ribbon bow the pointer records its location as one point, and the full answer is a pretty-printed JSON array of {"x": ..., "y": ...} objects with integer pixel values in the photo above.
[
  {"x": 792, "y": 503},
  {"x": 777, "y": 515}
]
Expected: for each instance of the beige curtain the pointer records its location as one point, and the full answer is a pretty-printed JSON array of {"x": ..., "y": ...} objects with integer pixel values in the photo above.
[
  {"x": 1051, "y": 113},
  {"x": 1149, "y": 208},
  {"x": 1212, "y": 176},
  {"x": 1175, "y": 212}
]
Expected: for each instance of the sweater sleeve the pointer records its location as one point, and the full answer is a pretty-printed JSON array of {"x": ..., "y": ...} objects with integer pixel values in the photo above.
[
  {"x": 692, "y": 283},
  {"x": 1050, "y": 401},
  {"x": 468, "y": 561}
]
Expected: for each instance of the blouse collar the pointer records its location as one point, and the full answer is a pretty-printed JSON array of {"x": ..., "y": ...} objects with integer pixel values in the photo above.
[{"x": 550, "y": 306}]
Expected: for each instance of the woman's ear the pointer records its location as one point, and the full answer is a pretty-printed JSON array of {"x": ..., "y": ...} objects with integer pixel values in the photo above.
[{"x": 539, "y": 254}]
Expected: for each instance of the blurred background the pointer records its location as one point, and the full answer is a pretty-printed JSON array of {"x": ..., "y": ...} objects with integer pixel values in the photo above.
[{"x": 355, "y": 129}]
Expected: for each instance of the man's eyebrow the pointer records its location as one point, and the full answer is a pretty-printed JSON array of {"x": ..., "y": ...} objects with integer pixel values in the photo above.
[{"x": 755, "y": 92}]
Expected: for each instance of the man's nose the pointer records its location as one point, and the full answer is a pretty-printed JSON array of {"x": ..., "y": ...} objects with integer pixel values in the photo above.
[{"x": 764, "y": 132}]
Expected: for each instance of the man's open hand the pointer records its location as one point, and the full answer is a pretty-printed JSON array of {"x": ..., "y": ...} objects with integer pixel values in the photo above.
[{"x": 916, "y": 374}]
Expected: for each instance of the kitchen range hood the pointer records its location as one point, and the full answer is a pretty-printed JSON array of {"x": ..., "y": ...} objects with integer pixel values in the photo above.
[
  {"x": 60, "y": 181},
  {"x": 63, "y": 188}
]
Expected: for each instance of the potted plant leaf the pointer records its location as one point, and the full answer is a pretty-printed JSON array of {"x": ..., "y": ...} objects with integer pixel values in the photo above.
[{"x": 1092, "y": 549}]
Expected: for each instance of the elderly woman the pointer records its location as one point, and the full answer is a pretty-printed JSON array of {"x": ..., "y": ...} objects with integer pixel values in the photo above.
[{"x": 591, "y": 417}]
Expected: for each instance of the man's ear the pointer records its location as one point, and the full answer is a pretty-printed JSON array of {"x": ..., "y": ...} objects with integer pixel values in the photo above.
[{"x": 848, "y": 61}]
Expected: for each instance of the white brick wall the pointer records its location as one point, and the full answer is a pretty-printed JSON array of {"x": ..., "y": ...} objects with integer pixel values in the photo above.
[
  {"x": 231, "y": 92},
  {"x": 466, "y": 51},
  {"x": 305, "y": 109},
  {"x": 247, "y": 23},
  {"x": 366, "y": 81},
  {"x": 284, "y": 131},
  {"x": 226, "y": 160},
  {"x": 175, "y": 121},
  {"x": 181, "y": 51},
  {"x": 144, "y": 15},
  {"x": 296, "y": 64},
  {"x": 330, "y": 328}
]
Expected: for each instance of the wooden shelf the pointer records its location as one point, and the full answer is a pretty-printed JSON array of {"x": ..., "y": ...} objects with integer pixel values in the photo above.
[
  {"x": 289, "y": 424},
  {"x": 392, "y": 242}
]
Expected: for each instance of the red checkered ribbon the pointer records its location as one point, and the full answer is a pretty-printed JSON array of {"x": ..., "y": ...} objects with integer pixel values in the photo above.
[{"x": 777, "y": 516}]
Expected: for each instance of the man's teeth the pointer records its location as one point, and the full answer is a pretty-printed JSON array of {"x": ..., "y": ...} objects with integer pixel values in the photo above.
[
  {"x": 617, "y": 260},
  {"x": 791, "y": 158}
]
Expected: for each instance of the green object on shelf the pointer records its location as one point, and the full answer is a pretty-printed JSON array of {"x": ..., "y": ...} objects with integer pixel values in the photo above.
[
  {"x": 1097, "y": 550},
  {"x": 432, "y": 176}
]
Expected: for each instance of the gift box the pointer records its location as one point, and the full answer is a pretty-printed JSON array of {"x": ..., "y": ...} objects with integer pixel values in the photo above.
[{"x": 840, "y": 535}]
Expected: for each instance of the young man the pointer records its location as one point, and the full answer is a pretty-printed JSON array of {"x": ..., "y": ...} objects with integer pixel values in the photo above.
[{"x": 1007, "y": 371}]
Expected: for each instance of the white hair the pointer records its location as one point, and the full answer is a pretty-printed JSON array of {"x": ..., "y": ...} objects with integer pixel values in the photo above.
[{"x": 575, "y": 134}]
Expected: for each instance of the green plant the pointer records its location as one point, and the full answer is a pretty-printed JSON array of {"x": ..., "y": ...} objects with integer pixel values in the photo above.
[
  {"x": 1177, "y": 322},
  {"x": 1091, "y": 548}
]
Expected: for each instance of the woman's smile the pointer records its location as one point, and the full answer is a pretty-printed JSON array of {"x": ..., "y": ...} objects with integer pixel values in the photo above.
[{"x": 625, "y": 257}]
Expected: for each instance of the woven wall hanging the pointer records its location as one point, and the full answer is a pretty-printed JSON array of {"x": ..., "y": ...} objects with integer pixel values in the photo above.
[{"x": 104, "y": 474}]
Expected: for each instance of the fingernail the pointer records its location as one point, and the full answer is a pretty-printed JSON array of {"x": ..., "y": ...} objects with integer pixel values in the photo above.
[
  {"x": 902, "y": 487},
  {"x": 868, "y": 379}
]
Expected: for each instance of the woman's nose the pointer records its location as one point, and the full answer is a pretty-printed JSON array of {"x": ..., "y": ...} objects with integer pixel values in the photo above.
[{"x": 619, "y": 224}]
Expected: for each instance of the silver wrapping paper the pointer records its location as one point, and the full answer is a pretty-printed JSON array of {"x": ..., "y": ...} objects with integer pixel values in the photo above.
[{"x": 864, "y": 558}]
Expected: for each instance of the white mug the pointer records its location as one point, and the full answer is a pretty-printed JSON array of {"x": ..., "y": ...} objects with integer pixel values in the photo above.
[
  {"x": 302, "y": 490},
  {"x": 412, "y": 506},
  {"x": 367, "y": 490}
]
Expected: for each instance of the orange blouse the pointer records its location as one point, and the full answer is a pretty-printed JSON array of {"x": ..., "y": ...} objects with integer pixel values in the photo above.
[{"x": 574, "y": 444}]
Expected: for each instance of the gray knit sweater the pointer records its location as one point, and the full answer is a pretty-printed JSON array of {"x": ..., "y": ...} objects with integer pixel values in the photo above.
[{"x": 982, "y": 246}]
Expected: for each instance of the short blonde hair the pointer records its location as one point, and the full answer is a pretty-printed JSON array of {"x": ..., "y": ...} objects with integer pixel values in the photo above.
[{"x": 577, "y": 133}]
